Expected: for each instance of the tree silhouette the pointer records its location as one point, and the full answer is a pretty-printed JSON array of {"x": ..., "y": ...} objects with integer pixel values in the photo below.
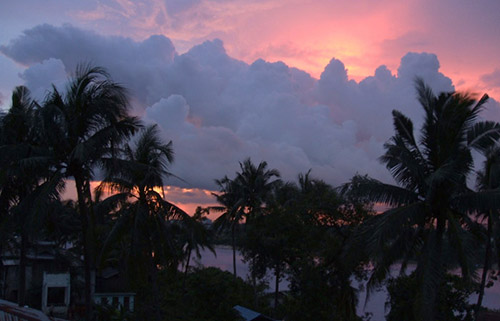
[
  {"x": 29, "y": 183},
  {"x": 145, "y": 221},
  {"x": 428, "y": 219},
  {"x": 489, "y": 179},
  {"x": 244, "y": 196},
  {"x": 84, "y": 125}
]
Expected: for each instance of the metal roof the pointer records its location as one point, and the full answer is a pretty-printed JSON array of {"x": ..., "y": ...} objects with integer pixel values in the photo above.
[
  {"x": 247, "y": 314},
  {"x": 10, "y": 310}
]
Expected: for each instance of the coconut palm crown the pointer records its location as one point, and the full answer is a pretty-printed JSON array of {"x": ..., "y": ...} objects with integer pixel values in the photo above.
[
  {"x": 243, "y": 197},
  {"x": 83, "y": 126},
  {"x": 428, "y": 217},
  {"x": 139, "y": 178},
  {"x": 145, "y": 221}
]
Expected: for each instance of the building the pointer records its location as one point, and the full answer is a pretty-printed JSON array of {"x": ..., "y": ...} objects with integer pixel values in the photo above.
[{"x": 42, "y": 258}]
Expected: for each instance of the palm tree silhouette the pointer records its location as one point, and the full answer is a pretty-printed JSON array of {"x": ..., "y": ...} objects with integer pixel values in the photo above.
[
  {"x": 85, "y": 125},
  {"x": 147, "y": 221},
  {"x": 243, "y": 197},
  {"x": 232, "y": 211},
  {"x": 428, "y": 219},
  {"x": 28, "y": 181},
  {"x": 195, "y": 237},
  {"x": 489, "y": 179}
]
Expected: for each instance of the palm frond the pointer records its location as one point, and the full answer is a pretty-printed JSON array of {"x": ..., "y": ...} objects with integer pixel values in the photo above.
[
  {"x": 369, "y": 189},
  {"x": 483, "y": 135},
  {"x": 464, "y": 244},
  {"x": 425, "y": 95},
  {"x": 474, "y": 202},
  {"x": 405, "y": 164}
]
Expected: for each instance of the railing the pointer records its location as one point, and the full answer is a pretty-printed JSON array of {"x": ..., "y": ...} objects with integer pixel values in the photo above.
[{"x": 125, "y": 300}]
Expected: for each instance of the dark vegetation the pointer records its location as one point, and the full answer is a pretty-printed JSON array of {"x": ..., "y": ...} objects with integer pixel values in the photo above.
[{"x": 320, "y": 238}]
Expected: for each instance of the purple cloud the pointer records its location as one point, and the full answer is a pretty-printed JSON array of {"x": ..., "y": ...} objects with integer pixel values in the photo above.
[
  {"x": 218, "y": 110},
  {"x": 492, "y": 79},
  {"x": 129, "y": 62}
]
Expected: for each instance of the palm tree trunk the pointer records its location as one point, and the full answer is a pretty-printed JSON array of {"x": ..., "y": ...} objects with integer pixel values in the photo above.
[
  {"x": 254, "y": 284},
  {"x": 186, "y": 270},
  {"x": 21, "y": 294},
  {"x": 486, "y": 267},
  {"x": 276, "y": 288},
  {"x": 234, "y": 250},
  {"x": 83, "y": 204},
  {"x": 429, "y": 312},
  {"x": 154, "y": 289}
]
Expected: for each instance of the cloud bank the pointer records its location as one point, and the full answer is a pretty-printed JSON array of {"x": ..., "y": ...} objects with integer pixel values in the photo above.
[{"x": 218, "y": 110}]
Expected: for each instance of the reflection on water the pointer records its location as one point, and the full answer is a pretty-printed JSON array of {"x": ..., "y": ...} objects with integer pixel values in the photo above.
[{"x": 375, "y": 305}]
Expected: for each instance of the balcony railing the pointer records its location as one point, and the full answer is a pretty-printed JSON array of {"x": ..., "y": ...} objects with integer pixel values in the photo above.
[{"x": 119, "y": 300}]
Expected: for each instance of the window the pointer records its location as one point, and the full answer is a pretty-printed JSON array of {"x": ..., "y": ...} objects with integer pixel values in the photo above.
[{"x": 55, "y": 296}]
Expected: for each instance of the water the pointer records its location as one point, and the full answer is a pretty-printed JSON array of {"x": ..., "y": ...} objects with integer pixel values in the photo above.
[{"x": 375, "y": 305}]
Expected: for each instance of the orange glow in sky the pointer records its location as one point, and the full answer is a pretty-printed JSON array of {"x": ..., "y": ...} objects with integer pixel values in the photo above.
[{"x": 188, "y": 199}]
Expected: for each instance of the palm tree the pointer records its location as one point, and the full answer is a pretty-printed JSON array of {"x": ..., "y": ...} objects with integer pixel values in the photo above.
[
  {"x": 16, "y": 144},
  {"x": 320, "y": 203},
  {"x": 428, "y": 218},
  {"x": 243, "y": 197},
  {"x": 197, "y": 237},
  {"x": 488, "y": 179},
  {"x": 232, "y": 211},
  {"x": 255, "y": 185},
  {"x": 28, "y": 182},
  {"x": 270, "y": 237},
  {"x": 322, "y": 269},
  {"x": 147, "y": 221},
  {"x": 84, "y": 126}
]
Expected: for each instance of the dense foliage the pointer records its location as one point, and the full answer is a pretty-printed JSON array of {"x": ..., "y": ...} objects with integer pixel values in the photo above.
[
  {"x": 452, "y": 305},
  {"x": 207, "y": 294}
]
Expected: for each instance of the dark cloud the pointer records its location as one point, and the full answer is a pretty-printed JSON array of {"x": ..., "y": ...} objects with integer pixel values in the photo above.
[
  {"x": 218, "y": 110},
  {"x": 129, "y": 62},
  {"x": 492, "y": 79}
]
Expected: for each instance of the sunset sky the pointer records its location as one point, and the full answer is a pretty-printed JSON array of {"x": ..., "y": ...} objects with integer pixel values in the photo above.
[{"x": 300, "y": 84}]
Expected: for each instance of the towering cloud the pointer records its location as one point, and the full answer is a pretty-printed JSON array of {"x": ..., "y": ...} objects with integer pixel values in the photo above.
[{"x": 218, "y": 110}]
